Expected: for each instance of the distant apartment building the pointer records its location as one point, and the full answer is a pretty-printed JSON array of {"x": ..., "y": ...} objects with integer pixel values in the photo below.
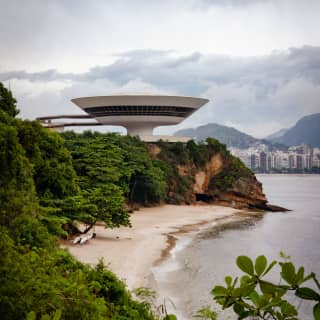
[
  {"x": 291, "y": 161},
  {"x": 263, "y": 161},
  {"x": 269, "y": 161},
  {"x": 297, "y": 158},
  {"x": 316, "y": 157},
  {"x": 254, "y": 161},
  {"x": 299, "y": 161}
]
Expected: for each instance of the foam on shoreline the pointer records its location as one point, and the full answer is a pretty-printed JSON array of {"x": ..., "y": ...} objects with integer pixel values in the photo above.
[{"x": 170, "y": 287}]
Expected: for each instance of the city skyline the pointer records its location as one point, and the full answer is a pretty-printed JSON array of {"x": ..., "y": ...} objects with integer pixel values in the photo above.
[{"x": 295, "y": 159}]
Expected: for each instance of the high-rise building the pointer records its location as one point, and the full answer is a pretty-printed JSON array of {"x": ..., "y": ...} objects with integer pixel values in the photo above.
[
  {"x": 269, "y": 162},
  {"x": 263, "y": 161},
  {"x": 299, "y": 161},
  {"x": 291, "y": 161},
  {"x": 253, "y": 161}
]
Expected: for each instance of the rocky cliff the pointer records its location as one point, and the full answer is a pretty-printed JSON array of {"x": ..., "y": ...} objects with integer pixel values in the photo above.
[{"x": 208, "y": 172}]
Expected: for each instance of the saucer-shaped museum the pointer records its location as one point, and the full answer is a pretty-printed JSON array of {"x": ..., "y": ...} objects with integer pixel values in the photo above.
[{"x": 139, "y": 114}]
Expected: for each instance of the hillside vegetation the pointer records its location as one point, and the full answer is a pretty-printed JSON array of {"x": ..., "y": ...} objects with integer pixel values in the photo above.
[
  {"x": 140, "y": 174},
  {"x": 39, "y": 280}
]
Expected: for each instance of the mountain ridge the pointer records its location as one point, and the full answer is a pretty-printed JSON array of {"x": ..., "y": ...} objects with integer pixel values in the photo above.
[
  {"x": 305, "y": 131},
  {"x": 227, "y": 135}
]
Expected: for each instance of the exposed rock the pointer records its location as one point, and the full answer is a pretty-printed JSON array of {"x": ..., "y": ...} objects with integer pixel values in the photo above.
[
  {"x": 222, "y": 180},
  {"x": 154, "y": 149},
  {"x": 214, "y": 165},
  {"x": 246, "y": 193},
  {"x": 183, "y": 170},
  {"x": 201, "y": 182},
  {"x": 203, "y": 177}
]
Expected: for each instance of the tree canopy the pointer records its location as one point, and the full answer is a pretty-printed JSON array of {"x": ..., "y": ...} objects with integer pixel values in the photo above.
[
  {"x": 7, "y": 102},
  {"x": 38, "y": 280}
]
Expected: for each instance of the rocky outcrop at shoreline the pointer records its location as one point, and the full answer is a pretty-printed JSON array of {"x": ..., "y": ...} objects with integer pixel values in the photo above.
[
  {"x": 246, "y": 192},
  {"x": 221, "y": 179}
]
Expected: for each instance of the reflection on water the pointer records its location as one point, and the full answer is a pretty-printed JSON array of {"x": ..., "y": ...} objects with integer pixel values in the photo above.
[{"x": 211, "y": 255}]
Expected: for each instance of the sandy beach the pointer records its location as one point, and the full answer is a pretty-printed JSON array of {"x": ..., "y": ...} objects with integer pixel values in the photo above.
[{"x": 132, "y": 252}]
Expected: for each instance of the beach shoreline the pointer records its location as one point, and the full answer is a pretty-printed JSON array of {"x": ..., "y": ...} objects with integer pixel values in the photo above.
[{"x": 131, "y": 253}]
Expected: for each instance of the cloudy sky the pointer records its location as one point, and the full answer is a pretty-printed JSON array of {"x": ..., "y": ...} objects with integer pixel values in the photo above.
[{"x": 258, "y": 61}]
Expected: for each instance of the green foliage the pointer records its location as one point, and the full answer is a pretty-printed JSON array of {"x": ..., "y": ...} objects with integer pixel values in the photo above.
[
  {"x": 192, "y": 156},
  {"x": 148, "y": 187},
  {"x": 56, "y": 315},
  {"x": 101, "y": 159},
  {"x": 15, "y": 170},
  {"x": 45, "y": 281},
  {"x": 170, "y": 317},
  {"x": 39, "y": 280},
  {"x": 18, "y": 199},
  {"x": 253, "y": 296},
  {"x": 215, "y": 146},
  {"x": 108, "y": 200},
  {"x": 245, "y": 264},
  {"x": 143, "y": 178},
  {"x": 53, "y": 172},
  {"x": 7, "y": 102},
  {"x": 206, "y": 313},
  {"x": 233, "y": 170},
  {"x": 148, "y": 297}
]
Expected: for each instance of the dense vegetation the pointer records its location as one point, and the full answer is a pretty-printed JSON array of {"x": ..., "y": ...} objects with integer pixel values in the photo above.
[
  {"x": 94, "y": 177},
  {"x": 254, "y": 296},
  {"x": 142, "y": 176},
  {"x": 121, "y": 163},
  {"x": 39, "y": 280},
  {"x": 233, "y": 170}
]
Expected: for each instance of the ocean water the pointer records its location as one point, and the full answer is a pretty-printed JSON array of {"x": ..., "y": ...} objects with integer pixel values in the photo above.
[{"x": 196, "y": 266}]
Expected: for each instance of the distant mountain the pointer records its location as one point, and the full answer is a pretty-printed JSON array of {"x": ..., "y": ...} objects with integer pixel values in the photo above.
[
  {"x": 277, "y": 134},
  {"x": 227, "y": 135},
  {"x": 306, "y": 130}
]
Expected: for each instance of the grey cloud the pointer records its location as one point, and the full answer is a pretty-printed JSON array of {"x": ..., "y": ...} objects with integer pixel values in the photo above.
[
  {"x": 196, "y": 72},
  {"x": 277, "y": 88},
  {"x": 43, "y": 76},
  {"x": 235, "y": 3}
]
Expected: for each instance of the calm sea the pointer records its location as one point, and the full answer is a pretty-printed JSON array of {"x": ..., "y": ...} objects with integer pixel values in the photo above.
[{"x": 186, "y": 279}]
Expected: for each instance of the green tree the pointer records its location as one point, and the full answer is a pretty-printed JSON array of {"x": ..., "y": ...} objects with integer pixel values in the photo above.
[
  {"x": 18, "y": 199},
  {"x": 38, "y": 280},
  {"x": 8, "y": 103},
  {"x": 101, "y": 159},
  {"x": 53, "y": 172}
]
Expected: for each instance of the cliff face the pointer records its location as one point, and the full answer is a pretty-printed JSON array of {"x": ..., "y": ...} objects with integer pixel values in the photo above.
[
  {"x": 209, "y": 173},
  {"x": 203, "y": 177},
  {"x": 245, "y": 192}
]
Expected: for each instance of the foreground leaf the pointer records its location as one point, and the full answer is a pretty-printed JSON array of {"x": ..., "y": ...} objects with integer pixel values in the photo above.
[
  {"x": 219, "y": 291},
  {"x": 245, "y": 264},
  {"x": 307, "y": 294},
  {"x": 260, "y": 265},
  {"x": 316, "y": 311},
  {"x": 288, "y": 273}
]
